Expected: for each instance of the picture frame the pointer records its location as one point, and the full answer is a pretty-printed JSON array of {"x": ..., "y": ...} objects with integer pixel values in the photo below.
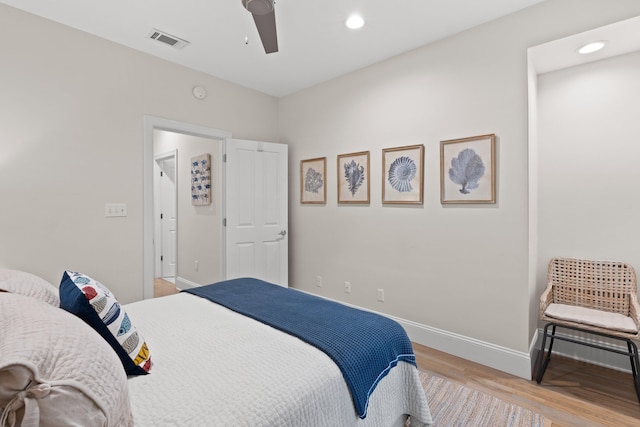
[
  {"x": 353, "y": 178},
  {"x": 313, "y": 181},
  {"x": 201, "y": 180},
  {"x": 403, "y": 175},
  {"x": 468, "y": 170}
]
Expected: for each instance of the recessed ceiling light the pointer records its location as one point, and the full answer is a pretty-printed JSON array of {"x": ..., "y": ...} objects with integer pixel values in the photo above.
[
  {"x": 354, "y": 22},
  {"x": 592, "y": 47}
]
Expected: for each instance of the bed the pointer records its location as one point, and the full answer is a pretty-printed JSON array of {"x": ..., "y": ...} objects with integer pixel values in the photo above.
[{"x": 204, "y": 365}]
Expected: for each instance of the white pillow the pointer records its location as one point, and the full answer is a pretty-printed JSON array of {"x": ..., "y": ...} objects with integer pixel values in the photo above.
[
  {"x": 590, "y": 316},
  {"x": 23, "y": 283},
  {"x": 57, "y": 371},
  {"x": 94, "y": 303}
]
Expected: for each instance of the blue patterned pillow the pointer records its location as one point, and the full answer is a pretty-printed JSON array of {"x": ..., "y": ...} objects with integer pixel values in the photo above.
[{"x": 95, "y": 304}]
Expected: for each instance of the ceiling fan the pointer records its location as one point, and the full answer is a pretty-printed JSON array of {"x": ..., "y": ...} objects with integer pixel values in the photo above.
[{"x": 264, "y": 16}]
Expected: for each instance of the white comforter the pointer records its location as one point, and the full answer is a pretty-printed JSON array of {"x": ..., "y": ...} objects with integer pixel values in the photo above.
[{"x": 214, "y": 367}]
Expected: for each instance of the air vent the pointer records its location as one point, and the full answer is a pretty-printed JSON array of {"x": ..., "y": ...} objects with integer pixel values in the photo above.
[{"x": 167, "y": 39}]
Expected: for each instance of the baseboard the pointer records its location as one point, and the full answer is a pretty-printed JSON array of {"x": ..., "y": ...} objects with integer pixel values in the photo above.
[
  {"x": 182, "y": 283},
  {"x": 587, "y": 354},
  {"x": 501, "y": 358}
]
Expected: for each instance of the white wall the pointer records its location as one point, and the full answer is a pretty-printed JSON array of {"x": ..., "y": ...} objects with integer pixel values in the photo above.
[
  {"x": 589, "y": 162},
  {"x": 459, "y": 269},
  {"x": 199, "y": 236},
  {"x": 71, "y": 140}
]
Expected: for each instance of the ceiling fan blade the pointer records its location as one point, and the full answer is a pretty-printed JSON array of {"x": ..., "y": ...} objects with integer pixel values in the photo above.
[{"x": 266, "y": 25}]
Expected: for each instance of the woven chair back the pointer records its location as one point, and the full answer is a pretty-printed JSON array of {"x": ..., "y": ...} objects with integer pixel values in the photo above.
[{"x": 601, "y": 285}]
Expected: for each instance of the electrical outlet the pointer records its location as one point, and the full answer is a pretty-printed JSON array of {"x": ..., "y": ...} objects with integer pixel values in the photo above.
[
  {"x": 381, "y": 295},
  {"x": 319, "y": 281},
  {"x": 347, "y": 287}
]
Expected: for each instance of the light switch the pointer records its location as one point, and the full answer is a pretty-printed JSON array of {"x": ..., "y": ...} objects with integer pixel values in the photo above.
[{"x": 115, "y": 209}]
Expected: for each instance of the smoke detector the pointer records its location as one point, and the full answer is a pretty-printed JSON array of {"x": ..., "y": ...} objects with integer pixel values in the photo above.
[{"x": 168, "y": 39}]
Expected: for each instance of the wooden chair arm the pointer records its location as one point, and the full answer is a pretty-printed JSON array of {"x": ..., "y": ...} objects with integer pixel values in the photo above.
[
  {"x": 547, "y": 298},
  {"x": 634, "y": 309}
]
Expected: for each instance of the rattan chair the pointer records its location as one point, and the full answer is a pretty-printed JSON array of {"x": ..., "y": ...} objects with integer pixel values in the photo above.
[{"x": 598, "y": 297}]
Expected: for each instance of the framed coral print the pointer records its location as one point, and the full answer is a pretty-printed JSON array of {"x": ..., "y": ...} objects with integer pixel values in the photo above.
[
  {"x": 313, "y": 188},
  {"x": 201, "y": 180},
  {"x": 353, "y": 178},
  {"x": 402, "y": 174},
  {"x": 468, "y": 170}
]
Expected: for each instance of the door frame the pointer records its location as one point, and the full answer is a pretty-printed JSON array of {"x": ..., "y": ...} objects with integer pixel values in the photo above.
[{"x": 151, "y": 123}]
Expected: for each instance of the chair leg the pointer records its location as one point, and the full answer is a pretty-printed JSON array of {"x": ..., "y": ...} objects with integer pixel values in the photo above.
[
  {"x": 540, "y": 358},
  {"x": 635, "y": 365},
  {"x": 542, "y": 365}
]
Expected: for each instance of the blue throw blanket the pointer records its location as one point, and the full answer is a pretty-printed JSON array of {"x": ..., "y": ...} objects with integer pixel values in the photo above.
[{"x": 364, "y": 345}]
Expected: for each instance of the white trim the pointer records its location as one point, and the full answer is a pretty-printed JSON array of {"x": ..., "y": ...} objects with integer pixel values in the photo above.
[
  {"x": 533, "y": 352},
  {"x": 182, "y": 283},
  {"x": 501, "y": 358},
  {"x": 149, "y": 124}
]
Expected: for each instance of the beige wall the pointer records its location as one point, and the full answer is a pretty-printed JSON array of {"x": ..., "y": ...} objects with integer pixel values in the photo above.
[
  {"x": 71, "y": 140},
  {"x": 588, "y": 150},
  {"x": 461, "y": 269}
]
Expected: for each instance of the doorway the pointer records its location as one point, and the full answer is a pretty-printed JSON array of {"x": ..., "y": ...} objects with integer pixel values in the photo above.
[
  {"x": 249, "y": 192},
  {"x": 165, "y": 214},
  {"x": 151, "y": 127}
]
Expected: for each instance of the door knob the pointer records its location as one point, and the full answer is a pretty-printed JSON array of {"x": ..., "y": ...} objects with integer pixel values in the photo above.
[{"x": 283, "y": 233}]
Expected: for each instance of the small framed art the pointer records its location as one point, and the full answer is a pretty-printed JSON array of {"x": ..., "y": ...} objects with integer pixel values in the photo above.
[
  {"x": 353, "y": 178},
  {"x": 201, "y": 180},
  {"x": 468, "y": 170},
  {"x": 403, "y": 175},
  {"x": 313, "y": 184}
]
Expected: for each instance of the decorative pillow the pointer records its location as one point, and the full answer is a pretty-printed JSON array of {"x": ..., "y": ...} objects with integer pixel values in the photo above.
[
  {"x": 23, "y": 283},
  {"x": 95, "y": 304},
  {"x": 56, "y": 371}
]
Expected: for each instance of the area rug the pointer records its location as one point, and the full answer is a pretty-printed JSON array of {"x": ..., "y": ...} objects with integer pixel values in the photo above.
[{"x": 453, "y": 404}]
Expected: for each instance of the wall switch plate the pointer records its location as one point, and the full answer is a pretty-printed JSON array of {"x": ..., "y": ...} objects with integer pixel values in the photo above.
[
  {"x": 115, "y": 209},
  {"x": 381, "y": 295}
]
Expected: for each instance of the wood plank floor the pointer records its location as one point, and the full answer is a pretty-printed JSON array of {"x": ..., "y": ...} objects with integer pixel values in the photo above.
[
  {"x": 571, "y": 394},
  {"x": 163, "y": 288}
]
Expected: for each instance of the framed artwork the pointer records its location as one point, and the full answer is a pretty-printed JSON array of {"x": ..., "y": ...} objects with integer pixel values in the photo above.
[
  {"x": 313, "y": 185},
  {"x": 403, "y": 175},
  {"x": 353, "y": 178},
  {"x": 201, "y": 180},
  {"x": 468, "y": 170}
]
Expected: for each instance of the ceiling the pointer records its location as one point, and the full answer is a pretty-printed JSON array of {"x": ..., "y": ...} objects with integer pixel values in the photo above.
[
  {"x": 621, "y": 38},
  {"x": 314, "y": 43}
]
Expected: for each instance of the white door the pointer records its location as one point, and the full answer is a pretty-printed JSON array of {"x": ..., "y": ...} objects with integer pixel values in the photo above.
[
  {"x": 257, "y": 211},
  {"x": 168, "y": 214}
]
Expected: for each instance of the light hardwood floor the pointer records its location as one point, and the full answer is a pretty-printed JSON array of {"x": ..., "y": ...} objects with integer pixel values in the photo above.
[
  {"x": 571, "y": 394},
  {"x": 163, "y": 288}
]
